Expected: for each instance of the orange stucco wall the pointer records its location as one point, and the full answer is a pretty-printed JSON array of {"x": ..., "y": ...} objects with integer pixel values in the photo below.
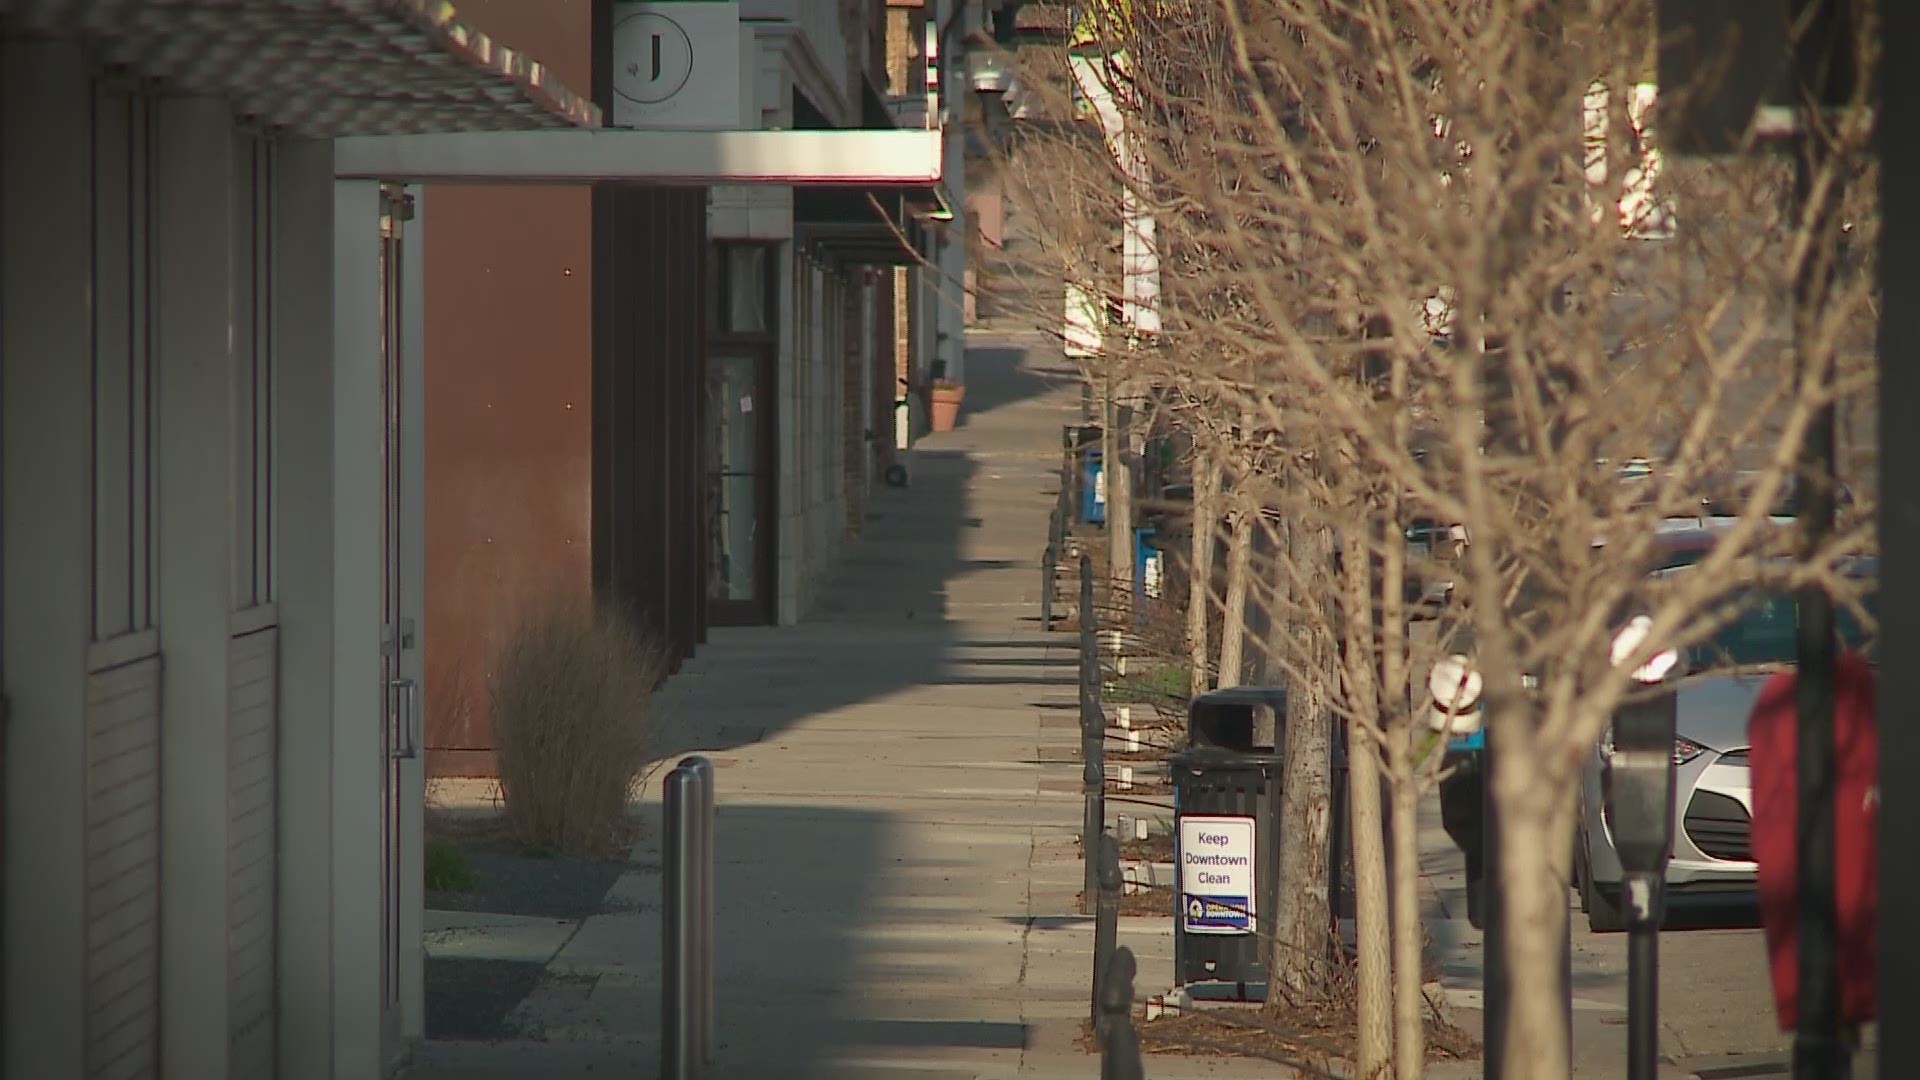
[{"x": 509, "y": 342}]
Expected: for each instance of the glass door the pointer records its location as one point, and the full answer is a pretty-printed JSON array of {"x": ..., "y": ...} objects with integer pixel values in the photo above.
[
  {"x": 742, "y": 464},
  {"x": 740, "y": 586}
]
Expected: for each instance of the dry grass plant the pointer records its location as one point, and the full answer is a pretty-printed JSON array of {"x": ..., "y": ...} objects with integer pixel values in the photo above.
[{"x": 575, "y": 723}]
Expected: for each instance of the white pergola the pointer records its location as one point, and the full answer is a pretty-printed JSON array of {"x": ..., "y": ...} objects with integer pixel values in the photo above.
[{"x": 320, "y": 68}]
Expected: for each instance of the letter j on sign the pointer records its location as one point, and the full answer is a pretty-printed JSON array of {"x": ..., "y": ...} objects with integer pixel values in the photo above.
[{"x": 1216, "y": 874}]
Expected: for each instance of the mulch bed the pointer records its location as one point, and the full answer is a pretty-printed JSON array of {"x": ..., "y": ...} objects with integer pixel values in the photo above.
[
  {"x": 1142, "y": 785},
  {"x": 1154, "y": 902},
  {"x": 1311, "y": 1039},
  {"x": 1155, "y": 848},
  {"x": 1147, "y": 752}
]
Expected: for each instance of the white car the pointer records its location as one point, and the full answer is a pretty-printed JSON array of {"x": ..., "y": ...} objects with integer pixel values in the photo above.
[{"x": 1713, "y": 804}]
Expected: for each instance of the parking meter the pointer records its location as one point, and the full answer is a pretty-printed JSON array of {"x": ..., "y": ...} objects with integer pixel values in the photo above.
[
  {"x": 1640, "y": 786},
  {"x": 1639, "y": 793}
]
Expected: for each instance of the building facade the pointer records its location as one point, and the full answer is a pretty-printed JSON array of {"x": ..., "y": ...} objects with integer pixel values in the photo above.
[
  {"x": 678, "y": 395},
  {"x": 284, "y": 383},
  {"x": 210, "y": 557}
]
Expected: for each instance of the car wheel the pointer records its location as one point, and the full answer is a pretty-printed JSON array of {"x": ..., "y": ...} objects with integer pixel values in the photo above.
[{"x": 1603, "y": 910}]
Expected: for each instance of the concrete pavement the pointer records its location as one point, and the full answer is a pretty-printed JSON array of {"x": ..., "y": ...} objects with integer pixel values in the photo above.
[{"x": 898, "y": 788}]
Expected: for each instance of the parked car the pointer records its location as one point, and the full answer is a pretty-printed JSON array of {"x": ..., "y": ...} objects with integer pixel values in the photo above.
[
  {"x": 1680, "y": 542},
  {"x": 1721, "y": 679}
]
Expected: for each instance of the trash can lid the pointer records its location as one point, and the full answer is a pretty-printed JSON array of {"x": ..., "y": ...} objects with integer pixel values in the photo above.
[
  {"x": 1220, "y": 757},
  {"x": 1275, "y": 696},
  {"x": 1227, "y": 717}
]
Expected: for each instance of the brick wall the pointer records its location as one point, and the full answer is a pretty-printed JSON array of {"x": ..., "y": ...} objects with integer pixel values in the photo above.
[{"x": 903, "y": 335}]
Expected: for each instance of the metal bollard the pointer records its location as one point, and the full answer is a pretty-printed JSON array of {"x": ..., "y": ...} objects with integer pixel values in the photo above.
[
  {"x": 1119, "y": 1042},
  {"x": 1048, "y": 562},
  {"x": 687, "y": 990},
  {"x": 679, "y": 1024},
  {"x": 705, "y": 995},
  {"x": 1106, "y": 922},
  {"x": 1092, "y": 828}
]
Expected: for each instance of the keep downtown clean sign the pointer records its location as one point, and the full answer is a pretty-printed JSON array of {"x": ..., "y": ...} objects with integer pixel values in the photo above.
[{"x": 1216, "y": 874}]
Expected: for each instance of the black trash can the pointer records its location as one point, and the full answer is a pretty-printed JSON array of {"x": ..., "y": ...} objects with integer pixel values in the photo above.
[{"x": 1226, "y": 798}]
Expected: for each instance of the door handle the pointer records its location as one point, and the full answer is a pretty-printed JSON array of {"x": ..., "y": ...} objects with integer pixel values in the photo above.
[{"x": 409, "y": 719}]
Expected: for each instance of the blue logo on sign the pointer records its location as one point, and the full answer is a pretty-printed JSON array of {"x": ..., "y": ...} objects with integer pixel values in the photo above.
[{"x": 1217, "y": 913}]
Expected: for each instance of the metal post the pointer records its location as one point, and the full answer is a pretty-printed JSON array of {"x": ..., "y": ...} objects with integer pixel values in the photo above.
[
  {"x": 1119, "y": 1043},
  {"x": 1106, "y": 921},
  {"x": 1120, "y": 515},
  {"x": 680, "y": 1049},
  {"x": 703, "y": 864},
  {"x": 1093, "y": 735},
  {"x": 1898, "y": 952},
  {"x": 1089, "y": 637},
  {"x": 1817, "y": 1050},
  {"x": 1093, "y": 775},
  {"x": 1643, "y": 894}
]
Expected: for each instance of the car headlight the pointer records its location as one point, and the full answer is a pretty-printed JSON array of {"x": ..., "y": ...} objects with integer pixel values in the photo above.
[
  {"x": 1629, "y": 640},
  {"x": 1454, "y": 684},
  {"x": 1684, "y": 749}
]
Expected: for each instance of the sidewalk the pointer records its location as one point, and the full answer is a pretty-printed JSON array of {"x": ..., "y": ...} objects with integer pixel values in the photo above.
[{"x": 898, "y": 817}]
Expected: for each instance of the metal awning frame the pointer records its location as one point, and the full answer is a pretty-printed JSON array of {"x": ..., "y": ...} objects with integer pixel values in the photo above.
[
  {"x": 319, "y": 68},
  {"x": 831, "y": 158}
]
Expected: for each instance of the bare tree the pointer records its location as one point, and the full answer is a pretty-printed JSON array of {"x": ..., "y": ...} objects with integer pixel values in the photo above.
[{"x": 1382, "y": 240}]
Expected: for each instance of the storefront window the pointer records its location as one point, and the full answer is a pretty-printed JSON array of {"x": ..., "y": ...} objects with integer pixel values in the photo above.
[{"x": 744, "y": 292}]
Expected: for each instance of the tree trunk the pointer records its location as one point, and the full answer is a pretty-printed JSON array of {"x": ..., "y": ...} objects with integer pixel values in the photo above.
[
  {"x": 1409, "y": 945},
  {"x": 1297, "y": 962},
  {"x": 1409, "y": 1019},
  {"x": 1371, "y": 932},
  {"x": 1535, "y": 821},
  {"x": 1233, "y": 625},
  {"x": 1206, "y": 480},
  {"x": 1120, "y": 514}
]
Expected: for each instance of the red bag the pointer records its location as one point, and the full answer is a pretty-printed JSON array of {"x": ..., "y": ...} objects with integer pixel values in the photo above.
[{"x": 1772, "y": 731}]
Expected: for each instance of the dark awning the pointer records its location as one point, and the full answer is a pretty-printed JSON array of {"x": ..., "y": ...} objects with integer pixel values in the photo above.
[
  {"x": 872, "y": 225},
  {"x": 320, "y": 68}
]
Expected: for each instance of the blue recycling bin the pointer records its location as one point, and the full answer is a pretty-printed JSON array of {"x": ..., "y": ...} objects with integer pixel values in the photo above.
[
  {"x": 1147, "y": 564},
  {"x": 1093, "y": 489}
]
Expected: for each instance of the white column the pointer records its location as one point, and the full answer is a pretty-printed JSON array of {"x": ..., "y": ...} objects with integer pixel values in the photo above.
[
  {"x": 303, "y": 402},
  {"x": 413, "y": 580},
  {"x": 791, "y": 470},
  {"x": 950, "y": 311},
  {"x": 45, "y": 426},
  {"x": 1140, "y": 256},
  {"x": 359, "y": 751},
  {"x": 193, "y": 223},
  {"x": 869, "y": 354}
]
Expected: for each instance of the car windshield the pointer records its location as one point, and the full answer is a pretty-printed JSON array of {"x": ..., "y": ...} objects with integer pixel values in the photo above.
[{"x": 1763, "y": 633}]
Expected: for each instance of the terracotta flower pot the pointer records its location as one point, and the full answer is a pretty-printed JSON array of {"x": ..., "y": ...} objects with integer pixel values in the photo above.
[{"x": 945, "y": 409}]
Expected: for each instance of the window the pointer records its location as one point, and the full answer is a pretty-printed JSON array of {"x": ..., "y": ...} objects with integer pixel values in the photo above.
[{"x": 746, "y": 290}]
